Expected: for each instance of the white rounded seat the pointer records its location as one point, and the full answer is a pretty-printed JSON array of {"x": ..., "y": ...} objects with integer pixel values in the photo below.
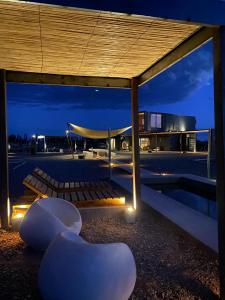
[
  {"x": 46, "y": 218},
  {"x": 74, "y": 269}
]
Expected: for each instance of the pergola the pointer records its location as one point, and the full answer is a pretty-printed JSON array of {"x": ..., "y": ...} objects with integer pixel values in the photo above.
[{"x": 46, "y": 44}]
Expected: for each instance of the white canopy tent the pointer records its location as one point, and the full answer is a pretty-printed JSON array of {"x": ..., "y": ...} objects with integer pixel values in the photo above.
[{"x": 96, "y": 134}]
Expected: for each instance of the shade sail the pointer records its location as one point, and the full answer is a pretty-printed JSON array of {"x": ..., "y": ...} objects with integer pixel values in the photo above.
[{"x": 96, "y": 134}]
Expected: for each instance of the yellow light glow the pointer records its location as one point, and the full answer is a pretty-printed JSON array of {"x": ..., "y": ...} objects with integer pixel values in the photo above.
[
  {"x": 130, "y": 209},
  {"x": 8, "y": 208},
  {"x": 18, "y": 216},
  {"x": 21, "y": 206},
  {"x": 131, "y": 164},
  {"x": 19, "y": 211},
  {"x": 163, "y": 174},
  {"x": 122, "y": 200},
  {"x": 111, "y": 164}
]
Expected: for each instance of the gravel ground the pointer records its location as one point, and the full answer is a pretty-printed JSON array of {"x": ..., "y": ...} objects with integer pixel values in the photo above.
[{"x": 170, "y": 264}]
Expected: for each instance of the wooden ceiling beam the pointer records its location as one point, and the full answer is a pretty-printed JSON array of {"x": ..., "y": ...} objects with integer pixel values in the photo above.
[
  {"x": 42, "y": 78},
  {"x": 186, "y": 47}
]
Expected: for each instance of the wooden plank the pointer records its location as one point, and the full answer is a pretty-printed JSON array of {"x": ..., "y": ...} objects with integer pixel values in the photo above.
[
  {"x": 135, "y": 143},
  {"x": 66, "y": 185},
  {"x": 100, "y": 194},
  {"x": 219, "y": 104},
  {"x": 81, "y": 196},
  {"x": 56, "y": 184},
  {"x": 105, "y": 194},
  {"x": 196, "y": 40},
  {"x": 77, "y": 184},
  {"x": 93, "y": 195},
  {"x": 41, "y": 78},
  {"x": 49, "y": 192},
  {"x": 67, "y": 196},
  {"x": 74, "y": 196},
  {"x": 87, "y": 195}
]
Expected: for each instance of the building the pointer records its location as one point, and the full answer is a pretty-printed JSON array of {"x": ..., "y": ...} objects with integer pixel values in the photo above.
[
  {"x": 163, "y": 122},
  {"x": 164, "y": 132}
]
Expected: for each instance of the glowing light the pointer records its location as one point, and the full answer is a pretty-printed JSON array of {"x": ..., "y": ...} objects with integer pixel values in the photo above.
[
  {"x": 122, "y": 200},
  {"x": 131, "y": 164},
  {"x": 130, "y": 215},
  {"x": 33, "y": 136},
  {"x": 96, "y": 90},
  {"x": 22, "y": 206},
  {"x": 67, "y": 131},
  {"x": 163, "y": 174},
  {"x": 41, "y": 137},
  {"x": 111, "y": 164},
  {"x": 19, "y": 211},
  {"x": 130, "y": 209},
  {"x": 18, "y": 216}
]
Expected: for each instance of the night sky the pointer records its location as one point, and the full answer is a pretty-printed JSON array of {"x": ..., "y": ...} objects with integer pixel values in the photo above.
[{"x": 186, "y": 88}]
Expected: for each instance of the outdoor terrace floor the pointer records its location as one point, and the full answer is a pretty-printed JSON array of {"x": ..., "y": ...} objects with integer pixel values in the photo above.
[{"x": 170, "y": 263}]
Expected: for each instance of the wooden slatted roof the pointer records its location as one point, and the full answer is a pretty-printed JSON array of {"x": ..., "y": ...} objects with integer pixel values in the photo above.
[{"x": 49, "y": 39}]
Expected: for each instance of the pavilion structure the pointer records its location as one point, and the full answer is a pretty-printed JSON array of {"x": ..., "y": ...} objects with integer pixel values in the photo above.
[{"x": 108, "y": 48}]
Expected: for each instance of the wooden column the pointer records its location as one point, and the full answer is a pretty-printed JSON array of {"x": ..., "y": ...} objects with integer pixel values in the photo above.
[
  {"x": 209, "y": 153},
  {"x": 4, "y": 183},
  {"x": 110, "y": 154},
  {"x": 135, "y": 142},
  {"x": 219, "y": 98}
]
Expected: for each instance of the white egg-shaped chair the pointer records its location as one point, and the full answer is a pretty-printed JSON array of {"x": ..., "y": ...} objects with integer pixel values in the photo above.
[
  {"x": 74, "y": 269},
  {"x": 45, "y": 219}
]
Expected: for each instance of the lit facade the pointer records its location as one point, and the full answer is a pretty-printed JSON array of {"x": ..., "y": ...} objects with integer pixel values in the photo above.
[
  {"x": 163, "y": 122},
  {"x": 164, "y": 132}
]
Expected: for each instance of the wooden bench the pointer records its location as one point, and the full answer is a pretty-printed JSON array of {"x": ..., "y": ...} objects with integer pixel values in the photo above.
[
  {"x": 69, "y": 186},
  {"x": 81, "y": 198}
]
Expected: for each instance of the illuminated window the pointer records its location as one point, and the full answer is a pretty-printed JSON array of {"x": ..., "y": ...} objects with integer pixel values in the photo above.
[{"x": 156, "y": 120}]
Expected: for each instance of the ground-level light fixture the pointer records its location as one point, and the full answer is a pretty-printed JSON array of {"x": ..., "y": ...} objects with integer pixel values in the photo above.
[
  {"x": 130, "y": 215},
  {"x": 18, "y": 213},
  {"x": 34, "y": 136}
]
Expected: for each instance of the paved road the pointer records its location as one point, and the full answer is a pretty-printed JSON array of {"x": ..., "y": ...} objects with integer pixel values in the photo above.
[{"x": 192, "y": 163}]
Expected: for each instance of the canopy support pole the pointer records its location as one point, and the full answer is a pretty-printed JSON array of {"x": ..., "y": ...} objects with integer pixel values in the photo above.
[
  {"x": 4, "y": 177},
  {"x": 219, "y": 98},
  {"x": 69, "y": 140},
  {"x": 110, "y": 154},
  {"x": 135, "y": 142}
]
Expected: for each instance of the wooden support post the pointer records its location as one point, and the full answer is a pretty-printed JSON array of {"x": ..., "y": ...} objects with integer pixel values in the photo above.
[
  {"x": 4, "y": 182},
  {"x": 135, "y": 142},
  {"x": 209, "y": 154},
  {"x": 219, "y": 98},
  {"x": 110, "y": 154}
]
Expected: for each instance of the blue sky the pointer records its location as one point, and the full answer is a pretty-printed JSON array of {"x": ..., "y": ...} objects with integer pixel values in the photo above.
[{"x": 186, "y": 88}]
